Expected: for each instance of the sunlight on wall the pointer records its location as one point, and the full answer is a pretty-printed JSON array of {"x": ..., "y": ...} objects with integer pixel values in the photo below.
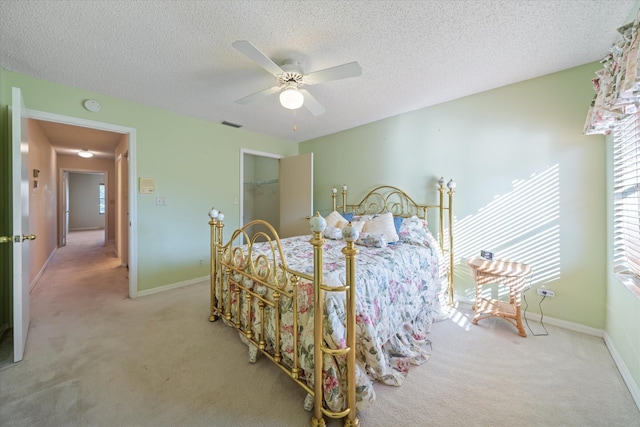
[{"x": 521, "y": 225}]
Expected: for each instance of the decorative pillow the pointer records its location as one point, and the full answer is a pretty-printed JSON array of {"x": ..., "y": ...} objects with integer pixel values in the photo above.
[
  {"x": 397, "y": 222},
  {"x": 348, "y": 216},
  {"x": 334, "y": 219},
  {"x": 333, "y": 233},
  {"x": 414, "y": 231},
  {"x": 372, "y": 240},
  {"x": 382, "y": 224}
]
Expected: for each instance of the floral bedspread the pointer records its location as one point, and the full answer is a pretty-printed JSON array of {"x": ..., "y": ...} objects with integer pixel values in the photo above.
[{"x": 399, "y": 290}]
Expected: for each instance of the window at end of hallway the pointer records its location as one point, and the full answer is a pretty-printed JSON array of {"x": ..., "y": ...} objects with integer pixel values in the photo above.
[{"x": 101, "y": 200}]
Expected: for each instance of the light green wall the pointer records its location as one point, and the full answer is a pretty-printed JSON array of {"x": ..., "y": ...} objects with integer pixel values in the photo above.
[
  {"x": 519, "y": 158},
  {"x": 195, "y": 164}
]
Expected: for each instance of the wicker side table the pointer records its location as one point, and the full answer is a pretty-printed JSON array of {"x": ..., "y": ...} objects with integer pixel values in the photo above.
[{"x": 511, "y": 274}]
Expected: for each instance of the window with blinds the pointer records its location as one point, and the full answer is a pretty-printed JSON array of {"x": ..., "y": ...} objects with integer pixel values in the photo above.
[{"x": 626, "y": 183}]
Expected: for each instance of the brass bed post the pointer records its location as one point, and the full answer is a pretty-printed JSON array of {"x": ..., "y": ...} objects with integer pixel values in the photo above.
[
  {"x": 213, "y": 223},
  {"x": 442, "y": 188},
  {"x": 441, "y": 213},
  {"x": 451, "y": 185},
  {"x": 334, "y": 190},
  {"x": 344, "y": 197},
  {"x": 350, "y": 252},
  {"x": 334, "y": 194},
  {"x": 317, "y": 225},
  {"x": 219, "y": 260}
]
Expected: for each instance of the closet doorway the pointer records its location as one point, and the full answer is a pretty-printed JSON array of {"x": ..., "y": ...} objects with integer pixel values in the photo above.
[
  {"x": 260, "y": 190},
  {"x": 278, "y": 190}
]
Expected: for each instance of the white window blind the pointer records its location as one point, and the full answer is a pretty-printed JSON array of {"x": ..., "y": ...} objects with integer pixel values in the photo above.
[{"x": 626, "y": 183}]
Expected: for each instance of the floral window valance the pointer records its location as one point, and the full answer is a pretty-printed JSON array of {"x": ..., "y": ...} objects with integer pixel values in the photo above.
[{"x": 617, "y": 85}]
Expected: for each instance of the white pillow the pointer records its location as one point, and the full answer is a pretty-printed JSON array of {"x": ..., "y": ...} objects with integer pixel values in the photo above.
[
  {"x": 334, "y": 219},
  {"x": 382, "y": 224},
  {"x": 333, "y": 233}
]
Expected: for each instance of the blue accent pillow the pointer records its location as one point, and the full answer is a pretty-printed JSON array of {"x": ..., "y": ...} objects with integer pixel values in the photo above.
[
  {"x": 348, "y": 216},
  {"x": 397, "y": 221}
]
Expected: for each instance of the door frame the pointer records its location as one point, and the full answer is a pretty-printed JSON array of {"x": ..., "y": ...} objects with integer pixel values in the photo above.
[
  {"x": 132, "y": 172},
  {"x": 244, "y": 151}
]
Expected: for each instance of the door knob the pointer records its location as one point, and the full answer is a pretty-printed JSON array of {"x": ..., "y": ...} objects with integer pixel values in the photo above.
[
  {"x": 6, "y": 239},
  {"x": 28, "y": 237}
]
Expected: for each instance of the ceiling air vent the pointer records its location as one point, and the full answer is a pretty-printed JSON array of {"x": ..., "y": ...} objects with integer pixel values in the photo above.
[{"x": 233, "y": 125}]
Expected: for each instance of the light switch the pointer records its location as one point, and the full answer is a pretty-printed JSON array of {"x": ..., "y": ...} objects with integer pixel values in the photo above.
[{"x": 161, "y": 201}]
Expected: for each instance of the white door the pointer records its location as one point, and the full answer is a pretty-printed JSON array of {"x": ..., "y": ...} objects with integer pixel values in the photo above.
[
  {"x": 296, "y": 194},
  {"x": 20, "y": 189}
]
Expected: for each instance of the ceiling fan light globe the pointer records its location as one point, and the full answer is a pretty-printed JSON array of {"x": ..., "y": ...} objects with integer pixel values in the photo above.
[{"x": 291, "y": 98}]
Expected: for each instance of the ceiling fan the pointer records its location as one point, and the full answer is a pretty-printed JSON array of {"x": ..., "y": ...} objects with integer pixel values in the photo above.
[{"x": 290, "y": 79}]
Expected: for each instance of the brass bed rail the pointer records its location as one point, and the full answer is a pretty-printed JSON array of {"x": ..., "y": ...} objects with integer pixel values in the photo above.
[{"x": 232, "y": 266}]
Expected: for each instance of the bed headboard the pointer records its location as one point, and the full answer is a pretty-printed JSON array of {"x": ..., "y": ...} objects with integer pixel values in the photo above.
[{"x": 386, "y": 198}]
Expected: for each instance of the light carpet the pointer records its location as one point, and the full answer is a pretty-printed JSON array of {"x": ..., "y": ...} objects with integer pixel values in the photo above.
[{"x": 94, "y": 357}]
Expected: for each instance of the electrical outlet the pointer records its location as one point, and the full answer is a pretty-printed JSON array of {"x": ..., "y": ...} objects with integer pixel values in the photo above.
[
  {"x": 201, "y": 261},
  {"x": 546, "y": 293}
]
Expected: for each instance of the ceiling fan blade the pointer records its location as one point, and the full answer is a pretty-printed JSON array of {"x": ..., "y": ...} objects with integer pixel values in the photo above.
[
  {"x": 312, "y": 104},
  {"x": 258, "y": 95},
  {"x": 252, "y": 52},
  {"x": 351, "y": 69}
]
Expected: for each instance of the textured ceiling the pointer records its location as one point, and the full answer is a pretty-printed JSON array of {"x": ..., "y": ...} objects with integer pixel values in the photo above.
[{"x": 177, "y": 55}]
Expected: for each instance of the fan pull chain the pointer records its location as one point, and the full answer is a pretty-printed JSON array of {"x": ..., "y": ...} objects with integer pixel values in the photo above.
[{"x": 294, "y": 121}]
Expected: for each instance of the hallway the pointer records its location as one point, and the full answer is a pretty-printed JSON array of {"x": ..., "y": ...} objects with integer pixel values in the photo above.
[{"x": 82, "y": 276}]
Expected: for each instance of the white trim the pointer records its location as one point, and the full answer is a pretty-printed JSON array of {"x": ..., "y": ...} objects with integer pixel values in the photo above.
[
  {"x": 260, "y": 153},
  {"x": 133, "y": 173},
  {"x": 564, "y": 324},
  {"x": 87, "y": 229},
  {"x": 624, "y": 372},
  {"x": 76, "y": 121},
  {"x": 133, "y": 214},
  {"x": 44, "y": 267},
  {"x": 535, "y": 317},
  {"x": 174, "y": 286}
]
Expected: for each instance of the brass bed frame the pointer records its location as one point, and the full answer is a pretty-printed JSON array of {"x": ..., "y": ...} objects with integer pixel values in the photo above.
[{"x": 232, "y": 261}]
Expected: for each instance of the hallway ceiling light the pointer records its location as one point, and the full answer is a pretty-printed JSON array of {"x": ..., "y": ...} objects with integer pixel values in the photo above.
[{"x": 85, "y": 153}]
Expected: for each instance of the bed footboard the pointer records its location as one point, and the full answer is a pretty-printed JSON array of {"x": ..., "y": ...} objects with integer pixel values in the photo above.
[{"x": 252, "y": 291}]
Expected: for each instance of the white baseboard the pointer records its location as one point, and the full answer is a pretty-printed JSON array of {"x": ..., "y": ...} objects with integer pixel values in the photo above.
[
  {"x": 35, "y": 280},
  {"x": 173, "y": 286},
  {"x": 576, "y": 327},
  {"x": 535, "y": 317},
  {"x": 634, "y": 389},
  {"x": 86, "y": 228}
]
